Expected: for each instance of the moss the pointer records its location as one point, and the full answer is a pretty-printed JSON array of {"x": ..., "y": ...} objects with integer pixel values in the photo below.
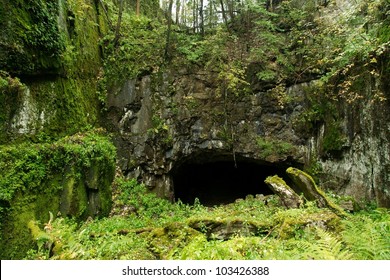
[
  {"x": 40, "y": 237},
  {"x": 60, "y": 107},
  {"x": 74, "y": 197},
  {"x": 165, "y": 241},
  {"x": 334, "y": 139},
  {"x": 276, "y": 179},
  {"x": 50, "y": 37},
  {"x": 10, "y": 95},
  {"x": 287, "y": 195},
  {"x": 269, "y": 148},
  {"x": 311, "y": 191},
  {"x": 31, "y": 41},
  {"x": 38, "y": 178},
  {"x": 81, "y": 57},
  {"x": 290, "y": 222},
  {"x": 314, "y": 167},
  {"x": 67, "y": 48}
]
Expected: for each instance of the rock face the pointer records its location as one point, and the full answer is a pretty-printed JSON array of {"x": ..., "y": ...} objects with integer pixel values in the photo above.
[
  {"x": 163, "y": 121},
  {"x": 49, "y": 63},
  {"x": 166, "y": 120},
  {"x": 362, "y": 170},
  {"x": 57, "y": 57},
  {"x": 359, "y": 167},
  {"x": 71, "y": 178}
]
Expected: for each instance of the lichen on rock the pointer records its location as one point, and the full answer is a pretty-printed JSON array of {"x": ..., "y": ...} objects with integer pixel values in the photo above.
[
  {"x": 311, "y": 192},
  {"x": 287, "y": 195}
]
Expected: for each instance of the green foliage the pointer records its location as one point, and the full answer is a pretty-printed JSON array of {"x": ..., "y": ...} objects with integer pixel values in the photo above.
[
  {"x": 327, "y": 247},
  {"x": 220, "y": 53},
  {"x": 271, "y": 147},
  {"x": 223, "y": 51},
  {"x": 334, "y": 139},
  {"x": 268, "y": 46},
  {"x": 25, "y": 167},
  {"x": 58, "y": 38},
  {"x": 31, "y": 41},
  {"x": 139, "y": 50},
  {"x": 43, "y": 33},
  {"x": 317, "y": 110},
  {"x": 314, "y": 168},
  {"x": 81, "y": 29},
  {"x": 193, "y": 47},
  {"x": 353, "y": 63},
  {"x": 140, "y": 201},
  {"x": 146, "y": 227},
  {"x": 8, "y": 84},
  {"x": 37, "y": 178},
  {"x": 368, "y": 235},
  {"x": 292, "y": 44},
  {"x": 10, "y": 91}
]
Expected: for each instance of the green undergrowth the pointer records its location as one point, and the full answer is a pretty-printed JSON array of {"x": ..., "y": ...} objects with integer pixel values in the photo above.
[
  {"x": 270, "y": 147},
  {"x": 25, "y": 166},
  {"x": 68, "y": 177},
  {"x": 143, "y": 226}
]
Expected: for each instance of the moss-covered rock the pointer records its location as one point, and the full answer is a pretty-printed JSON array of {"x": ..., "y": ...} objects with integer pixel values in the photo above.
[
  {"x": 71, "y": 177},
  {"x": 165, "y": 242},
  {"x": 49, "y": 37},
  {"x": 31, "y": 42},
  {"x": 11, "y": 90},
  {"x": 54, "y": 48},
  {"x": 224, "y": 229},
  {"x": 287, "y": 195},
  {"x": 306, "y": 184}
]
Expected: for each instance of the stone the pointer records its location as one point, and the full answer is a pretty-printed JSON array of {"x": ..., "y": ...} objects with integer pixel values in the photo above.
[
  {"x": 181, "y": 118},
  {"x": 225, "y": 229},
  {"x": 311, "y": 192},
  {"x": 347, "y": 205},
  {"x": 287, "y": 195}
]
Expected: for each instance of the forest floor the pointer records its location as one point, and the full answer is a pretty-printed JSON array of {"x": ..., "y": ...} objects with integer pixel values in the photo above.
[{"x": 143, "y": 226}]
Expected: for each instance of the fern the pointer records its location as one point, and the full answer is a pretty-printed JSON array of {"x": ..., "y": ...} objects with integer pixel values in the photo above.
[
  {"x": 367, "y": 238},
  {"x": 327, "y": 247}
]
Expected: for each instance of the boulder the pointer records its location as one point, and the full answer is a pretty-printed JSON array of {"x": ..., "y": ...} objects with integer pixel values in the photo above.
[
  {"x": 311, "y": 192},
  {"x": 289, "y": 198}
]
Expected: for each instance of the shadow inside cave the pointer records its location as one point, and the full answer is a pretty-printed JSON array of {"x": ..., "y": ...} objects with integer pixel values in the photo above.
[{"x": 222, "y": 181}]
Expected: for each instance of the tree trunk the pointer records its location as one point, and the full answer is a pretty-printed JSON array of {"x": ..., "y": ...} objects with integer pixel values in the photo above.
[
  {"x": 230, "y": 4},
  {"x": 106, "y": 14},
  {"x": 184, "y": 13},
  {"x": 196, "y": 16},
  {"x": 138, "y": 7},
  {"x": 201, "y": 18},
  {"x": 178, "y": 11},
  {"x": 118, "y": 24},
  {"x": 224, "y": 14},
  {"x": 211, "y": 13},
  {"x": 167, "y": 55}
]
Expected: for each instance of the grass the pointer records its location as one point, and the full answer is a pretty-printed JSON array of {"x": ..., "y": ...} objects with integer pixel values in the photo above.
[{"x": 143, "y": 226}]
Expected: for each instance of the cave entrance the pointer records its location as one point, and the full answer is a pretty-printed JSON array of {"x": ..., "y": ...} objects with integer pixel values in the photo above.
[{"x": 222, "y": 181}]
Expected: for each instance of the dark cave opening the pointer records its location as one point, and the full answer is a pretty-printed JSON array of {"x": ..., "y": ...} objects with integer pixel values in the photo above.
[{"x": 222, "y": 181}]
